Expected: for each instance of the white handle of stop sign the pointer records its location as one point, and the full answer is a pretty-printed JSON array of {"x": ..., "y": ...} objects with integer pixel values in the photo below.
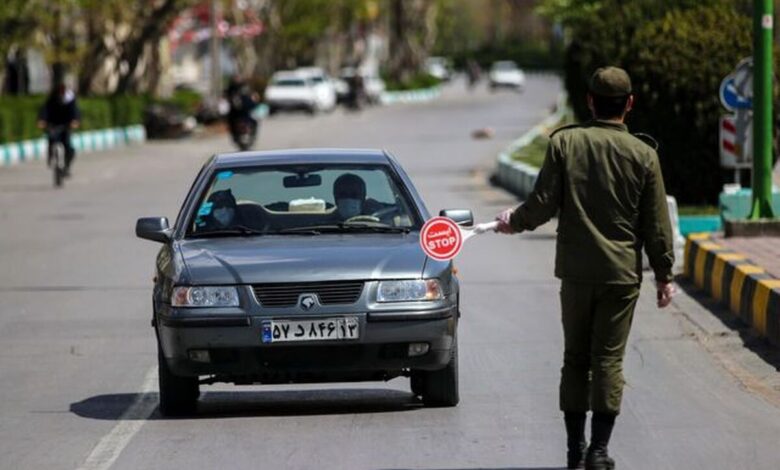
[{"x": 479, "y": 229}]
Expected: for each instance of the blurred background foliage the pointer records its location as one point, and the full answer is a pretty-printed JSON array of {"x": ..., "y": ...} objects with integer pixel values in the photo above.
[
  {"x": 677, "y": 52},
  {"x": 119, "y": 53}
]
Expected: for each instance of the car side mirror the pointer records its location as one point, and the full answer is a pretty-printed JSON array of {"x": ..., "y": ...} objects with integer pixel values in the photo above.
[
  {"x": 462, "y": 217},
  {"x": 153, "y": 228}
]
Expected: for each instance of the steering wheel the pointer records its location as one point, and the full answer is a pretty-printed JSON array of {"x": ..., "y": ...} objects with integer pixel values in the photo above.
[
  {"x": 384, "y": 212},
  {"x": 363, "y": 218}
]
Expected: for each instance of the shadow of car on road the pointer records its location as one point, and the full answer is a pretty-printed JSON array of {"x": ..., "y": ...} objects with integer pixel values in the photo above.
[
  {"x": 488, "y": 468},
  {"x": 248, "y": 404}
]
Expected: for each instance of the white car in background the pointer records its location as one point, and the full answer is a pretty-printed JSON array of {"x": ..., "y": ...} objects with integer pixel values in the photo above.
[
  {"x": 291, "y": 90},
  {"x": 324, "y": 86},
  {"x": 506, "y": 74}
]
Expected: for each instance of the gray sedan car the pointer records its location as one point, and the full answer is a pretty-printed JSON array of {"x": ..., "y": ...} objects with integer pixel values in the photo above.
[{"x": 302, "y": 266}]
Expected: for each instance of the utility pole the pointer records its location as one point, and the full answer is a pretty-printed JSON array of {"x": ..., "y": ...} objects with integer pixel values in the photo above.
[
  {"x": 761, "y": 207},
  {"x": 215, "y": 14}
]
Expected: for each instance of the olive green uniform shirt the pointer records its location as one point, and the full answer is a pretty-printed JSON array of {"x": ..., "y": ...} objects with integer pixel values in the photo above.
[{"x": 607, "y": 188}]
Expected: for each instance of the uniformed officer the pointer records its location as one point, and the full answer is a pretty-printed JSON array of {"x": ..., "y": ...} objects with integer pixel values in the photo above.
[{"x": 607, "y": 189}]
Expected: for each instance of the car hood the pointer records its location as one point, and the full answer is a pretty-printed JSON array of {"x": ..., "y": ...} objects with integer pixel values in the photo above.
[{"x": 296, "y": 258}]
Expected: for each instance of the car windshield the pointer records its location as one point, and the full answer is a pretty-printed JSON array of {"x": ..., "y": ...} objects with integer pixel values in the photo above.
[
  {"x": 289, "y": 82},
  {"x": 303, "y": 200},
  {"x": 504, "y": 66}
]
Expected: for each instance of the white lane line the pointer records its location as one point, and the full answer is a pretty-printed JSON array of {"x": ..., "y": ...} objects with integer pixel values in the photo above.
[{"x": 111, "y": 445}]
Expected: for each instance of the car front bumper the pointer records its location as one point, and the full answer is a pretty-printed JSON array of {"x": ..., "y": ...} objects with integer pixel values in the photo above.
[{"x": 237, "y": 354}]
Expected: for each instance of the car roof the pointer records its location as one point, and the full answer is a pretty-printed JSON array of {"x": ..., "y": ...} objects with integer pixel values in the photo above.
[
  {"x": 301, "y": 156},
  {"x": 311, "y": 70},
  {"x": 289, "y": 74}
]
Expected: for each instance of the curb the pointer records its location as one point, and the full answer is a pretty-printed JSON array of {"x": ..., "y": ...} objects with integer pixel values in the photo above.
[
  {"x": 84, "y": 142},
  {"x": 750, "y": 293},
  {"x": 518, "y": 177},
  {"x": 410, "y": 96}
]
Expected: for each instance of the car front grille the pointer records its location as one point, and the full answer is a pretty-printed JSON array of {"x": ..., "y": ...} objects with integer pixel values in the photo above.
[{"x": 328, "y": 293}]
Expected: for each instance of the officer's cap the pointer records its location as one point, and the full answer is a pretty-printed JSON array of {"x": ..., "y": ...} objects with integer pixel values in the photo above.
[{"x": 611, "y": 82}]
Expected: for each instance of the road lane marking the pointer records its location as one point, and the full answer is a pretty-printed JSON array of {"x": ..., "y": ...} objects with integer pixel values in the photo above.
[{"x": 107, "y": 450}]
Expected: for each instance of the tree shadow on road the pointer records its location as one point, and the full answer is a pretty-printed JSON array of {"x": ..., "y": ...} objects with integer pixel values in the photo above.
[{"x": 240, "y": 404}]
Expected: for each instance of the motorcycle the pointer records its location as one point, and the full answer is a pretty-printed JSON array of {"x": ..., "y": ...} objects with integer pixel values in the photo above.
[{"x": 244, "y": 132}]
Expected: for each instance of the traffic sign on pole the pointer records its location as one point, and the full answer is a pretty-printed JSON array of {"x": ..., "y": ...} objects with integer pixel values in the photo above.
[{"x": 735, "y": 142}]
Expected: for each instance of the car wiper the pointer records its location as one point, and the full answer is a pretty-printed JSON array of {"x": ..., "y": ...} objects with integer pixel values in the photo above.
[
  {"x": 342, "y": 228},
  {"x": 235, "y": 230},
  {"x": 374, "y": 228}
]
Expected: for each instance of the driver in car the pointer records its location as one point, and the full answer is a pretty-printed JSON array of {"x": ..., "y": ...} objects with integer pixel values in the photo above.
[
  {"x": 223, "y": 214},
  {"x": 349, "y": 192}
]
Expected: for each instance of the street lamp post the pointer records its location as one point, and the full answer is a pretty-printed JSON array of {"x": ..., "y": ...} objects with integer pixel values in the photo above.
[{"x": 761, "y": 207}]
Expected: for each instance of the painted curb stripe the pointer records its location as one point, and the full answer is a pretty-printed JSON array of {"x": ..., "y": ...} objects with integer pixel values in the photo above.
[
  {"x": 13, "y": 153},
  {"x": 751, "y": 293}
]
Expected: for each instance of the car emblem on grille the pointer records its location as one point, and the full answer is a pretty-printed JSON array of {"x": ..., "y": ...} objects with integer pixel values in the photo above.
[{"x": 307, "y": 302}]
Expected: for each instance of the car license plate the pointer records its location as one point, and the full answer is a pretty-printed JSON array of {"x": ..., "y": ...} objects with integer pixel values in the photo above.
[{"x": 321, "y": 329}]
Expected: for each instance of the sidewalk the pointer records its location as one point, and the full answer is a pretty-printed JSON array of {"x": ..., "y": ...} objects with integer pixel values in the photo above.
[{"x": 743, "y": 273}]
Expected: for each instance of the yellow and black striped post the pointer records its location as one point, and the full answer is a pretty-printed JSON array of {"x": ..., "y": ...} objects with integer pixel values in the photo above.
[{"x": 750, "y": 293}]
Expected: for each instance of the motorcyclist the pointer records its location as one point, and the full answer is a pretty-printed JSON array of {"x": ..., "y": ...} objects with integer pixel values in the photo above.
[
  {"x": 356, "y": 96},
  {"x": 61, "y": 110},
  {"x": 473, "y": 72},
  {"x": 242, "y": 100}
]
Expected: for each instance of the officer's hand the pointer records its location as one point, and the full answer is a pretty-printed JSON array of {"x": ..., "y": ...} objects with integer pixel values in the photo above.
[
  {"x": 503, "y": 222},
  {"x": 665, "y": 292}
]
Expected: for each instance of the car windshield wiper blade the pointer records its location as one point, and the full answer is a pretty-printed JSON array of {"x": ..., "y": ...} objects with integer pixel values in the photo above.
[
  {"x": 236, "y": 230},
  {"x": 345, "y": 228},
  {"x": 374, "y": 228}
]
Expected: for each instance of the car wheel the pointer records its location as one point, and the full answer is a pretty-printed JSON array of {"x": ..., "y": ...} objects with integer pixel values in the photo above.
[
  {"x": 439, "y": 387},
  {"x": 178, "y": 395}
]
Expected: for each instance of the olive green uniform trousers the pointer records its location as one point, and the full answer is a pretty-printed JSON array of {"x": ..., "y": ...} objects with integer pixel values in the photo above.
[{"x": 596, "y": 322}]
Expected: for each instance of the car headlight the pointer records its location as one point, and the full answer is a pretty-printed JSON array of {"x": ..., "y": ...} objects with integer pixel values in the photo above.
[
  {"x": 409, "y": 291},
  {"x": 199, "y": 296}
]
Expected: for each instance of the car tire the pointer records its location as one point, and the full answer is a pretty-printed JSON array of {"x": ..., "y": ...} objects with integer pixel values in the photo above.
[
  {"x": 178, "y": 395},
  {"x": 439, "y": 388}
]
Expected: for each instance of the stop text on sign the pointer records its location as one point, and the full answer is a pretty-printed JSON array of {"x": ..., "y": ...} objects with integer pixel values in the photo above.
[{"x": 441, "y": 239}]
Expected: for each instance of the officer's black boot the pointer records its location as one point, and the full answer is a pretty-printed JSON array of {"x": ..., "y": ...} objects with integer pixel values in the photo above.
[
  {"x": 600, "y": 431},
  {"x": 575, "y": 439}
]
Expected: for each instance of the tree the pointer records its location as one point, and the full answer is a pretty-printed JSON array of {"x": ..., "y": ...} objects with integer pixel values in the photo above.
[{"x": 412, "y": 36}]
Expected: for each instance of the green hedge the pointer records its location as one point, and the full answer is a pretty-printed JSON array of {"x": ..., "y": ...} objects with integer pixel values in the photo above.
[
  {"x": 416, "y": 82},
  {"x": 527, "y": 55},
  {"x": 677, "y": 52},
  {"x": 19, "y": 114}
]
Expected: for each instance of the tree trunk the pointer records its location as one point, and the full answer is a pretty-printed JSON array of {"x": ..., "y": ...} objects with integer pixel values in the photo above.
[
  {"x": 412, "y": 34},
  {"x": 153, "y": 28}
]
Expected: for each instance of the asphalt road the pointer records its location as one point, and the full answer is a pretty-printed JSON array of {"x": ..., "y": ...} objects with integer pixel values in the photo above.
[{"x": 78, "y": 364}]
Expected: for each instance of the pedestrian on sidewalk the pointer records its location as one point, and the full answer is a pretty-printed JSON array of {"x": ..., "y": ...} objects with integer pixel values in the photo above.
[{"x": 607, "y": 189}]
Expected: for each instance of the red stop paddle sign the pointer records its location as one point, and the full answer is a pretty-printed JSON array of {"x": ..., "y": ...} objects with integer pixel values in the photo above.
[{"x": 441, "y": 238}]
